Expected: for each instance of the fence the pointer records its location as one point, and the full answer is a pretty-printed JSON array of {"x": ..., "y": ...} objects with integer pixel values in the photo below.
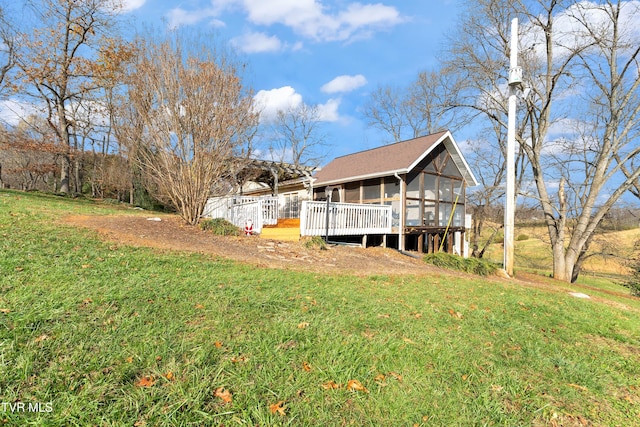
[
  {"x": 345, "y": 219},
  {"x": 238, "y": 209}
]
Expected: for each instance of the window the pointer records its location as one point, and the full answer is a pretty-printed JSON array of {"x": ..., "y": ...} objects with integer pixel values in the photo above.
[
  {"x": 352, "y": 192},
  {"x": 371, "y": 191},
  {"x": 413, "y": 187},
  {"x": 430, "y": 186},
  {"x": 413, "y": 213}
]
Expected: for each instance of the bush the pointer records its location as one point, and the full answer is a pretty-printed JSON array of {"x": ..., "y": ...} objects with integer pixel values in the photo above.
[
  {"x": 315, "y": 242},
  {"x": 522, "y": 237},
  {"x": 633, "y": 283},
  {"x": 477, "y": 266},
  {"x": 220, "y": 227}
]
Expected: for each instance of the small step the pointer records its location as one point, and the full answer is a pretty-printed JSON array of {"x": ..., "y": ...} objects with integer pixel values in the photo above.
[{"x": 290, "y": 234}]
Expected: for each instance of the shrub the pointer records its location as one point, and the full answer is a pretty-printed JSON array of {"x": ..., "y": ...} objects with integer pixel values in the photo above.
[
  {"x": 633, "y": 282},
  {"x": 522, "y": 237},
  {"x": 477, "y": 266},
  {"x": 220, "y": 227},
  {"x": 315, "y": 242}
]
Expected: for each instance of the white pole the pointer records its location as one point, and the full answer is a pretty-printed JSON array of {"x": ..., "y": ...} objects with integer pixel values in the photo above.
[{"x": 515, "y": 79}]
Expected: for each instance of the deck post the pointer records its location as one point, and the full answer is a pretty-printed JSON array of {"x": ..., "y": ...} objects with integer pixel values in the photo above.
[
  {"x": 421, "y": 243},
  {"x": 364, "y": 240}
]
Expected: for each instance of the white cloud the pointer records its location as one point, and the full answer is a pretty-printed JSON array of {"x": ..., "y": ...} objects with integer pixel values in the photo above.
[
  {"x": 328, "y": 112},
  {"x": 13, "y": 112},
  {"x": 178, "y": 17},
  {"x": 570, "y": 32},
  {"x": 308, "y": 18},
  {"x": 257, "y": 42},
  {"x": 345, "y": 83},
  {"x": 129, "y": 5},
  {"x": 269, "y": 102}
]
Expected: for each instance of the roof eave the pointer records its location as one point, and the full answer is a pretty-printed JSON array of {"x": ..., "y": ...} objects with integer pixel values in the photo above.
[{"x": 360, "y": 177}]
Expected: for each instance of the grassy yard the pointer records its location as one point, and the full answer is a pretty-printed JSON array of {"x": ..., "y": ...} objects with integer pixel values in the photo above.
[{"x": 98, "y": 333}]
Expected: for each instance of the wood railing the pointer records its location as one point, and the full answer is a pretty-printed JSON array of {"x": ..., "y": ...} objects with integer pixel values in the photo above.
[{"x": 345, "y": 219}]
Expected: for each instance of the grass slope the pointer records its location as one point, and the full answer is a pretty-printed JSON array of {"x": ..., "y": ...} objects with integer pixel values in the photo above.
[{"x": 103, "y": 334}]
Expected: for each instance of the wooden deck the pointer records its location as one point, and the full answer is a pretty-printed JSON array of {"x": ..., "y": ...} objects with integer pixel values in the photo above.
[{"x": 344, "y": 219}]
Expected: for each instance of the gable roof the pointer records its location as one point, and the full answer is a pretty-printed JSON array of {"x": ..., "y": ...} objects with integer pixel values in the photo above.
[{"x": 387, "y": 160}]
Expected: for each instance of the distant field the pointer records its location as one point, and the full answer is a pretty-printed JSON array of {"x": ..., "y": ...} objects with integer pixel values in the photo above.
[
  {"x": 534, "y": 253},
  {"x": 96, "y": 332}
]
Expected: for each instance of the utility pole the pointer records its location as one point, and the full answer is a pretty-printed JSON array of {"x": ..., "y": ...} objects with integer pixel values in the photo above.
[{"x": 515, "y": 81}]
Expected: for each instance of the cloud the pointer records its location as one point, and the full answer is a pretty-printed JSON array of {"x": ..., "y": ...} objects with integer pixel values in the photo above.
[
  {"x": 310, "y": 18},
  {"x": 307, "y": 18},
  {"x": 269, "y": 102},
  {"x": 129, "y": 5},
  {"x": 345, "y": 83},
  {"x": 328, "y": 112},
  {"x": 178, "y": 17},
  {"x": 12, "y": 111},
  {"x": 257, "y": 42}
]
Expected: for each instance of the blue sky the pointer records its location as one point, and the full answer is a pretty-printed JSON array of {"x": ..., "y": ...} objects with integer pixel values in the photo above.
[{"x": 329, "y": 53}]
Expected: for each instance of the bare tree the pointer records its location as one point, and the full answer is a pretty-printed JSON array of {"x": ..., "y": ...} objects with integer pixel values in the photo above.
[
  {"x": 421, "y": 108},
  {"x": 579, "y": 128},
  {"x": 185, "y": 120},
  {"x": 297, "y": 135},
  {"x": 56, "y": 58},
  {"x": 7, "y": 48}
]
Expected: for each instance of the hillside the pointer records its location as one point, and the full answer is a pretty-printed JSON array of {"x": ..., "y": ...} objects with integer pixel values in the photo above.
[{"x": 102, "y": 328}]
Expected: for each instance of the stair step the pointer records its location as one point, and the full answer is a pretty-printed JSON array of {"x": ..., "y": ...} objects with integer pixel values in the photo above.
[{"x": 288, "y": 234}]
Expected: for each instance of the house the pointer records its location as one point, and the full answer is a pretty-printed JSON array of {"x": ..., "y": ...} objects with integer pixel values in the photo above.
[
  {"x": 424, "y": 180},
  {"x": 410, "y": 195}
]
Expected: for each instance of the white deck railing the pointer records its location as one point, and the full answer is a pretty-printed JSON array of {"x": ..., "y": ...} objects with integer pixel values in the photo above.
[
  {"x": 237, "y": 210},
  {"x": 345, "y": 219}
]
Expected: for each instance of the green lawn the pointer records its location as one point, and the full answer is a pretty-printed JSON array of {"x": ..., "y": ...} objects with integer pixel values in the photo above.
[{"x": 97, "y": 333}]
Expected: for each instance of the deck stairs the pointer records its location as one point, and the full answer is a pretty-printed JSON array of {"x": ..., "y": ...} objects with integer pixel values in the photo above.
[{"x": 287, "y": 229}]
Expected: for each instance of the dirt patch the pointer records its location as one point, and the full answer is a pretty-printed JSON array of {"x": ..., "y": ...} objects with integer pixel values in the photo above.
[{"x": 172, "y": 234}]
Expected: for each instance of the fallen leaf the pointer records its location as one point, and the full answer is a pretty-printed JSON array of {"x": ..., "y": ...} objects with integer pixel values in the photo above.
[
  {"x": 19, "y": 269},
  {"x": 464, "y": 377},
  {"x": 278, "y": 407},
  {"x": 395, "y": 375},
  {"x": 384, "y": 316},
  {"x": 303, "y": 325},
  {"x": 218, "y": 344},
  {"x": 241, "y": 358},
  {"x": 355, "y": 385},
  {"x": 455, "y": 314},
  {"x": 199, "y": 306},
  {"x": 408, "y": 341},
  {"x": 42, "y": 337},
  {"x": 223, "y": 394},
  {"x": 579, "y": 387},
  {"x": 5, "y": 310},
  {"x": 86, "y": 265},
  {"x": 331, "y": 385},
  {"x": 129, "y": 359},
  {"x": 306, "y": 366},
  {"x": 380, "y": 378},
  {"x": 158, "y": 358},
  {"x": 147, "y": 381},
  {"x": 169, "y": 375}
]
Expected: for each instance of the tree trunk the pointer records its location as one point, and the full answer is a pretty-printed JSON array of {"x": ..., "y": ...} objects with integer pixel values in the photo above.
[{"x": 64, "y": 173}]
